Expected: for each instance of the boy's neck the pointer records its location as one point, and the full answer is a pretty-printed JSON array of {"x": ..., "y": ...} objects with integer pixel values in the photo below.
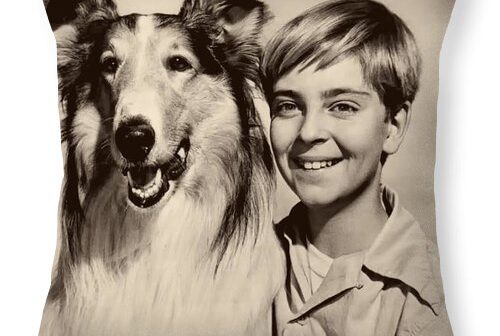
[{"x": 342, "y": 229}]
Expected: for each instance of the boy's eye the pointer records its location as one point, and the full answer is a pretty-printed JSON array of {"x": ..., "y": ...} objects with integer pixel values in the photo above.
[
  {"x": 343, "y": 108},
  {"x": 285, "y": 108}
]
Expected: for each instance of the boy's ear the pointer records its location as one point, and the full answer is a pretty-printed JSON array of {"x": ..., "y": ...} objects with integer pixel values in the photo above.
[{"x": 397, "y": 126}]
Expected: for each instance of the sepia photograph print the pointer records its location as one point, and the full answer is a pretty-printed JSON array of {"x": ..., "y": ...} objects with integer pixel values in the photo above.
[{"x": 247, "y": 167}]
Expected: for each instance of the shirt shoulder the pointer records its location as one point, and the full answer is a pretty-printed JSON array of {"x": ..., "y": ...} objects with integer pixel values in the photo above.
[
  {"x": 403, "y": 252},
  {"x": 424, "y": 312}
]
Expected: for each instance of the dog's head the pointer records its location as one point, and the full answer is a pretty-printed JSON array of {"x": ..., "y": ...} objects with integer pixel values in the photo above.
[{"x": 172, "y": 91}]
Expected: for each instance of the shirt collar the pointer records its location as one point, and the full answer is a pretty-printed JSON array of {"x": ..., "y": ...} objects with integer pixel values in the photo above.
[
  {"x": 401, "y": 251},
  {"x": 344, "y": 273}
]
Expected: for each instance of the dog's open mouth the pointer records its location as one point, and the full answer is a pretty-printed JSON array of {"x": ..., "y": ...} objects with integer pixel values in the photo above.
[{"x": 148, "y": 184}]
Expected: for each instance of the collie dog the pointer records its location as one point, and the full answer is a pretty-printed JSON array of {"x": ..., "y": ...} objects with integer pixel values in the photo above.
[{"x": 166, "y": 211}]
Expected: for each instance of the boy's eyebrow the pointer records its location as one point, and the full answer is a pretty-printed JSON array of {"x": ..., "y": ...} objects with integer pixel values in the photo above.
[
  {"x": 339, "y": 91},
  {"x": 289, "y": 93},
  {"x": 325, "y": 94}
]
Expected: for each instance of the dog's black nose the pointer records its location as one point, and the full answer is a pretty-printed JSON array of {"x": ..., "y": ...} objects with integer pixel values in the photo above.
[{"x": 135, "y": 139}]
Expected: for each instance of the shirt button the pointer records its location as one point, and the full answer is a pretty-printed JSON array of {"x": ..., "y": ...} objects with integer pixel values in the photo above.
[{"x": 359, "y": 286}]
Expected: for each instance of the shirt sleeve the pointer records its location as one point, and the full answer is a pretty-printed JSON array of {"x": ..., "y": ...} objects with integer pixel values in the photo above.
[
  {"x": 418, "y": 319},
  {"x": 439, "y": 326}
]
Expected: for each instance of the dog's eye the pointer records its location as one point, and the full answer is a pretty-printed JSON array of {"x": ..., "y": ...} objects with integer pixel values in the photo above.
[
  {"x": 178, "y": 63},
  {"x": 109, "y": 65}
]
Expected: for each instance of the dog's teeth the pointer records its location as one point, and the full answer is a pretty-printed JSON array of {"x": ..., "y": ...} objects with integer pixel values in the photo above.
[
  {"x": 158, "y": 178},
  {"x": 182, "y": 153},
  {"x": 156, "y": 188},
  {"x": 130, "y": 179},
  {"x": 147, "y": 192},
  {"x": 138, "y": 192}
]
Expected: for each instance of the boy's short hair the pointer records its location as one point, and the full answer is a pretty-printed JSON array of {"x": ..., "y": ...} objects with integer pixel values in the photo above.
[{"x": 332, "y": 30}]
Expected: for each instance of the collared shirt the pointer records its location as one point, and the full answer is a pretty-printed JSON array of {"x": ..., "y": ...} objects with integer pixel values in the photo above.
[
  {"x": 318, "y": 265},
  {"x": 393, "y": 288}
]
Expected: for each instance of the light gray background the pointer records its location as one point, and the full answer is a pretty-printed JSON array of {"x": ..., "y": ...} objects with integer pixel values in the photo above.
[{"x": 411, "y": 171}]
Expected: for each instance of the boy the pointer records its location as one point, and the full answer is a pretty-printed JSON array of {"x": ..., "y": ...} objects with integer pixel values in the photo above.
[{"x": 340, "y": 80}]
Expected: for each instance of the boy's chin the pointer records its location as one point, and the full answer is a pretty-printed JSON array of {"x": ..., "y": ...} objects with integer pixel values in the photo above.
[
  {"x": 317, "y": 198},
  {"x": 333, "y": 196}
]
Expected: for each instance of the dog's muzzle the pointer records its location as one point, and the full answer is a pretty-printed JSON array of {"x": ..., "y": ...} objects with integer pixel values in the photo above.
[{"x": 147, "y": 184}]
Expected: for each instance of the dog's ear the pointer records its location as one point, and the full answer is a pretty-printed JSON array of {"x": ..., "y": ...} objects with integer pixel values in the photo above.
[
  {"x": 240, "y": 19},
  {"x": 61, "y": 12},
  {"x": 238, "y": 28},
  {"x": 77, "y": 37},
  {"x": 94, "y": 15}
]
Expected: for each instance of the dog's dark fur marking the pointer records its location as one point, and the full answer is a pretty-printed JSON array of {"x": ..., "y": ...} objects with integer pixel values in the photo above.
[
  {"x": 237, "y": 59},
  {"x": 221, "y": 55}
]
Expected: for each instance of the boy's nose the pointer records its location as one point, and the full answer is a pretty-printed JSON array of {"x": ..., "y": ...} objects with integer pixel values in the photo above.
[{"x": 313, "y": 129}]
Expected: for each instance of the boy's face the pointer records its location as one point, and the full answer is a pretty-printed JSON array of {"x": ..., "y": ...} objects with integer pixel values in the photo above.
[{"x": 328, "y": 131}]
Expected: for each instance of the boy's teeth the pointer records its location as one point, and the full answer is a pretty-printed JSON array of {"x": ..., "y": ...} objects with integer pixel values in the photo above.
[{"x": 315, "y": 165}]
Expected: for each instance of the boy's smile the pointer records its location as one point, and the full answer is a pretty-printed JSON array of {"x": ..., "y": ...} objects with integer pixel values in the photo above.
[
  {"x": 315, "y": 163},
  {"x": 328, "y": 131}
]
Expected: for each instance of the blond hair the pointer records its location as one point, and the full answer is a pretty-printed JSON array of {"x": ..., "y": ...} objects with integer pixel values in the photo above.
[{"x": 330, "y": 31}]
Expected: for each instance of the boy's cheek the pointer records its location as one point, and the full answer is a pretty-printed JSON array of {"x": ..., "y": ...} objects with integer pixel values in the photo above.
[{"x": 281, "y": 136}]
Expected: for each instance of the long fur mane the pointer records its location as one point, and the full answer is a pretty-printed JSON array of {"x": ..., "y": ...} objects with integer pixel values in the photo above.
[{"x": 207, "y": 263}]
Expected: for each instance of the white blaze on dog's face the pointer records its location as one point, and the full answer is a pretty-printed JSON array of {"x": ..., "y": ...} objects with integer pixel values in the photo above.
[
  {"x": 170, "y": 97},
  {"x": 171, "y": 91}
]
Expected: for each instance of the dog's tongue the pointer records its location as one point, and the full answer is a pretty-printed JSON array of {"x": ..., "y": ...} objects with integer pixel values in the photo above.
[{"x": 142, "y": 177}]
